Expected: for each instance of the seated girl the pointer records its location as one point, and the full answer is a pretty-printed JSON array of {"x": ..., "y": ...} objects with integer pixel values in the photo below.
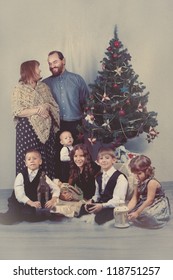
[{"x": 148, "y": 207}]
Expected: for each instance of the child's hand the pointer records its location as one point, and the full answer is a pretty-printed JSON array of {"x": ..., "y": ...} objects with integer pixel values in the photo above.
[
  {"x": 94, "y": 208},
  {"x": 132, "y": 216},
  {"x": 88, "y": 204},
  {"x": 35, "y": 204},
  {"x": 51, "y": 203}
]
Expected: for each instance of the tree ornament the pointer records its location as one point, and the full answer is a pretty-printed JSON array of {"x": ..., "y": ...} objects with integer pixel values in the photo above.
[
  {"x": 121, "y": 113},
  {"x": 109, "y": 49},
  {"x": 116, "y": 109},
  {"x": 80, "y": 136},
  {"x": 107, "y": 125},
  {"x": 124, "y": 89},
  {"x": 128, "y": 102},
  {"x": 117, "y": 44},
  {"x": 118, "y": 71},
  {"x": 105, "y": 97},
  {"x": 92, "y": 140},
  {"x": 90, "y": 119},
  {"x": 115, "y": 85},
  {"x": 152, "y": 134},
  {"x": 114, "y": 55}
]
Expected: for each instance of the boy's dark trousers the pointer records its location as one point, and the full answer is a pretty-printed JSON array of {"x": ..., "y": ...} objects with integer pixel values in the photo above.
[
  {"x": 103, "y": 216},
  {"x": 18, "y": 212}
]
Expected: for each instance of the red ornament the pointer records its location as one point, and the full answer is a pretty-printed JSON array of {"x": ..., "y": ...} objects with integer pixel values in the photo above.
[
  {"x": 121, "y": 113},
  {"x": 80, "y": 136},
  {"x": 128, "y": 102},
  {"x": 115, "y": 85},
  {"x": 117, "y": 44},
  {"x": 109, "y": 49},
  {"x": 114, "y": 55}
]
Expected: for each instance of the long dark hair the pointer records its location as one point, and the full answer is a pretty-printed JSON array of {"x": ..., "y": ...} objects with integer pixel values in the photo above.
[{"x": 87, "y": 168}]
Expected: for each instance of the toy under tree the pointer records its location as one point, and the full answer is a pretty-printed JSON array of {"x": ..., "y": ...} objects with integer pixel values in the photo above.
[{"x": 116, "y": 110}]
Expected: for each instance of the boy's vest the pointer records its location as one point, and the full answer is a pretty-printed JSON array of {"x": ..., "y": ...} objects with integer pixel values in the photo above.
[
  {"x": 31, "y": 187},
  {"x": 110, "y": 186}
]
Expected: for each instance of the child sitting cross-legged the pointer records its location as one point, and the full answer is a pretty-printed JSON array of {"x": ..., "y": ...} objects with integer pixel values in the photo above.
[
  {"x": 111, "y": 189},
  {"x": 24, "y": 205}
]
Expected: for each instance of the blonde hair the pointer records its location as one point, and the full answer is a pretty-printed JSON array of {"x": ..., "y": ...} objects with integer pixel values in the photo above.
[
  {"x": 63, "y": 132},
  {"x": 32, "y": 150},
  {"x": 106, "y": 151},
  {"x": 141, "y": 163}
]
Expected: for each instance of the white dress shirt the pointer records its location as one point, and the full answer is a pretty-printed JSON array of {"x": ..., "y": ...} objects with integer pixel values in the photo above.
[
  {"x": 119, "y": 193},
  {"x": 19, "y": 186},
  {"x": 64, "y": 153}
]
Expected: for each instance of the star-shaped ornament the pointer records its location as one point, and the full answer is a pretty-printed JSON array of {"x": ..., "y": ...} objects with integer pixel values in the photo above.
[
  {"x": 124, "y": 89},
  {"x": 107, "y": 125},
  {"x": 118, "y": 71},
  {"x": 92, "y": 140},
  {"x": 105, "y": 97},
  {"x": 89, "y": 118}
]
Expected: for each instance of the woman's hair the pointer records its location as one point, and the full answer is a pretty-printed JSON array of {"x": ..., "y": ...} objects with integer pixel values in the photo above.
[
  {"x": 87, "y": 168},
  {"x": 141, "y": 163},
  {"x": 27, "y": 71},
  {"x": 106, "y": 151}
]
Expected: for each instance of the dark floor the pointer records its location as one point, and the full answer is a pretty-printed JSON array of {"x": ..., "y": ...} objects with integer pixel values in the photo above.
[{"x": 73, "y": 239}]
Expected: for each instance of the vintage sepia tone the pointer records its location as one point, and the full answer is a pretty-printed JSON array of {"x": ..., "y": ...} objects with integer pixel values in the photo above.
[{"x": 81, "y": 30}]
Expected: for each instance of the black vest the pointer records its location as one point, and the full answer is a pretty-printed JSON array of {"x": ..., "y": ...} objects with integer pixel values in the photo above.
[
  {"x": 30, "y": 190},
  {"x": 110, "y": 186},
  {"x": 31, "y": 187}
]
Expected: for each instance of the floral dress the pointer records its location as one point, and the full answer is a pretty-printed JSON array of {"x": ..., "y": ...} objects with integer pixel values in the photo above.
[{"x": 155, "y": 215}]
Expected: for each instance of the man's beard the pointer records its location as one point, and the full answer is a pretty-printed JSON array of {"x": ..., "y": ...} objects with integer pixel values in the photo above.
[{"x": 57, "y": 73}]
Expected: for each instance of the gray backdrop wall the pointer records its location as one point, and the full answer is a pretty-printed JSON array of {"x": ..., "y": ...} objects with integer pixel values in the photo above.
[{"x": 81, "y": 29}]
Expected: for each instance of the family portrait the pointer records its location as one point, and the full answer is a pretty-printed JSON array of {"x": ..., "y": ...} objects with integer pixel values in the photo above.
[{"x": 86, "y": 164}]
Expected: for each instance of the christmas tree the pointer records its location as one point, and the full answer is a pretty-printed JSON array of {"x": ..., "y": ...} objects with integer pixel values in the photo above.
[{"x": 116, "y": 110}]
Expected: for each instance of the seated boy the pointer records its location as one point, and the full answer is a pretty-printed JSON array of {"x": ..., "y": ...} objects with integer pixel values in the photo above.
[
  {"x": 111, "y": 189},
  {"x": 24, "y": 204}
]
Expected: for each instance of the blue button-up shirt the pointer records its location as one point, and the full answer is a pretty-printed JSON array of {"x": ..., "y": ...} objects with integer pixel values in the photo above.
[{"x": 70, "y": 92}]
